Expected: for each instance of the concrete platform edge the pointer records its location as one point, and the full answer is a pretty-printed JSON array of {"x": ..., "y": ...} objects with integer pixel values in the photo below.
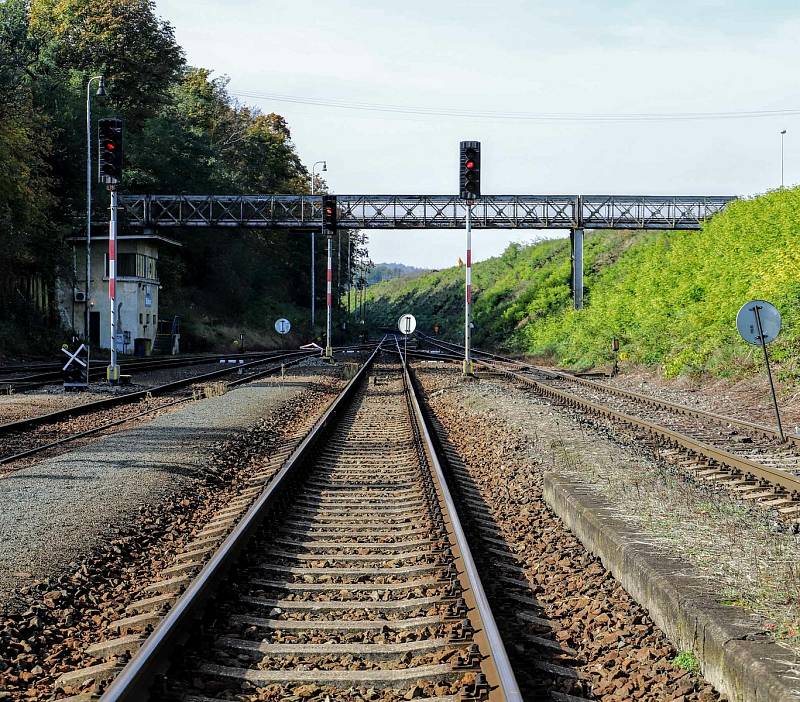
[{"x": 736, "y": 653}]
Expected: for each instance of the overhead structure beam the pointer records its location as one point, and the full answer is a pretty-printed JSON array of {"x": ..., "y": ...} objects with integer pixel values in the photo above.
[{"x": 304, "y": 212}]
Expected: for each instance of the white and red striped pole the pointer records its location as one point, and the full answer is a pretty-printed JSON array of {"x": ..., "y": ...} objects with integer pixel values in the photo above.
[
  {"x": 468, "y": 298},
  {"x": 328, "y": 346},
  {"x": 113, "y": 369}
]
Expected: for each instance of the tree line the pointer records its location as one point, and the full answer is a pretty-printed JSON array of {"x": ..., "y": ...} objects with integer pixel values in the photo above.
[{"x": 184, "y": 134}]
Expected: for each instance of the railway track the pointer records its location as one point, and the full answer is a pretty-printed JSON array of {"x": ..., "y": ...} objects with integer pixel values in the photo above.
[
  {"x": 747, "y": 459},
  {"x": 40, "y": 375},
  {"x": 343, "y": 571},
  {"x": 27, "y": 437}
]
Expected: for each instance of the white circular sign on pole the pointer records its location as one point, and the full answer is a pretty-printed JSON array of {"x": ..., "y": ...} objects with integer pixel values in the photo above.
[
  {"x": 747, "y": 323},
  {"x": 407, "y": 324},
  {"x": 283, "y": 326}
]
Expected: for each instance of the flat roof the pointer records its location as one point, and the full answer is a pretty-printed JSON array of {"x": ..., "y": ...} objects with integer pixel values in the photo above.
[{"x": 128, "y": 237}]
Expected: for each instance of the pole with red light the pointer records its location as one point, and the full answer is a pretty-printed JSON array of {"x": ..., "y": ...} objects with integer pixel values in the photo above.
[
  {"x": 470, "y": 191},
  {"x": 110, "y": 174},
  {"x": 329, "y": 222}
]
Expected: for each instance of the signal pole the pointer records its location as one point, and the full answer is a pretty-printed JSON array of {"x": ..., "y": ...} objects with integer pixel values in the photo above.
[
  {"x": 469, "y": 183},
  {"x": 113, "y": 368},
  {"x": 328, "y": 350},
  {"x": 468, "y": 300},
  {"x": 329, "y": 224}
]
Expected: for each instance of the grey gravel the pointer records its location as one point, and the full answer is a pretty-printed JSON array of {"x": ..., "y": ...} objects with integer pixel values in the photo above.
[{"x": 55, "y": 510}]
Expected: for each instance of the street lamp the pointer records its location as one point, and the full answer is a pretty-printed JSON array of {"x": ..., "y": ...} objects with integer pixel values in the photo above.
[
  {"x": 313, "y": 303},
  {"x": 101, "y": 92},
  {"x": 783, "y": 133}
]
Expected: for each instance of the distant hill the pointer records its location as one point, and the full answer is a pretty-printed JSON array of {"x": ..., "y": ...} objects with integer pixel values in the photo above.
[
  {"x": 669, "y": 297},
  {"x": 387, "y": 271}
]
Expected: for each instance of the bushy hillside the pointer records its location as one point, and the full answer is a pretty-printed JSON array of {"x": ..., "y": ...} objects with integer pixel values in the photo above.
[
  {"x": 386, "y": 271},
  {"x": 670, "y": 297}
]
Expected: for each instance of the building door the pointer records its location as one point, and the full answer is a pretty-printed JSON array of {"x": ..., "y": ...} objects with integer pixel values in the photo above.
[{"x": 94, "y": 330}]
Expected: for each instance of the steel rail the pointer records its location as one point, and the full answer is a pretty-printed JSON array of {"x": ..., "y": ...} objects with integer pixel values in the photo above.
[
  {"x": 632, "y": 394},
  {"x": 500, "y": 674},
  {"x": 97, "y": 368},
  {"x": 135, "y": 680},
  {"x": 89, "y": 407},
  {"x": 744, "y": 465},
  {"x": 747, "y": 467},
  {"x": 117, "y": 422}
]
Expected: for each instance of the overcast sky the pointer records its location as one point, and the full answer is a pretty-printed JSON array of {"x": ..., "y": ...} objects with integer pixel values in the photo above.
[{"x": 598, "y": 57}]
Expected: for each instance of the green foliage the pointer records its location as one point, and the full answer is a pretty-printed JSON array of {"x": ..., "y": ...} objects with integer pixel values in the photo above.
[
  {"x": 387, "y": 271},
  {"x": 671, "y": 298},
  {"x": 184, "y": 133},
  {"x": 686, "y": 660}
]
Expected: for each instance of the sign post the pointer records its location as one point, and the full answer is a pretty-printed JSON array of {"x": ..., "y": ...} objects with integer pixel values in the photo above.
[
  {"x": 406, "y": 324},
  {"x": 759, "y": 323}
]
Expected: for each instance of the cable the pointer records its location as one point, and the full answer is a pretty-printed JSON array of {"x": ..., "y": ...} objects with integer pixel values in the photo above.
[{"x": 523, "y": 116}]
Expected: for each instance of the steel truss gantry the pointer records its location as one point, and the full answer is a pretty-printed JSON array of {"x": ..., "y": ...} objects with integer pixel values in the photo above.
[{"x": 304, "y": 212}]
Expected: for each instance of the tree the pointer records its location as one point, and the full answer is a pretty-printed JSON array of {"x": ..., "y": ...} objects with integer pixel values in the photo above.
[{"x": 122, "y": 39}]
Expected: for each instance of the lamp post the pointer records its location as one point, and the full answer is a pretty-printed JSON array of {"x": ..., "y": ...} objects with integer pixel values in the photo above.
[
  {"x": 783, "y": 133},
  {"x": 313, "y": 304},
  {"x": 101, "y": 92}
]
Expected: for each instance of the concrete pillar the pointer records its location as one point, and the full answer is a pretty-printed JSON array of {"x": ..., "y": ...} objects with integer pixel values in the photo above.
[{"x": 576, "y": 245}]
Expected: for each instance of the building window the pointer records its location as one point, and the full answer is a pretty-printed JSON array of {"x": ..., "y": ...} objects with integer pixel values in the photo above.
[{"x": 134, "y": 265}]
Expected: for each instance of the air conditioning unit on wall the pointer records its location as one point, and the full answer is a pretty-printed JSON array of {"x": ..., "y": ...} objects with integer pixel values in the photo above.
[{"x": 80, "y": 296}]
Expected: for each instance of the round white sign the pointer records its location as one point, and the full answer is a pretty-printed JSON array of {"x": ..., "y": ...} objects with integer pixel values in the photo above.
[
  {"x": 283, "y": 326},
  {"x": 407, "y": 324},
  {"x": 747, "y": 323}
]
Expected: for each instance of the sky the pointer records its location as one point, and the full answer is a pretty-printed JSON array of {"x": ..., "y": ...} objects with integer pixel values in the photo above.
[{"x": 594, "y": 58}]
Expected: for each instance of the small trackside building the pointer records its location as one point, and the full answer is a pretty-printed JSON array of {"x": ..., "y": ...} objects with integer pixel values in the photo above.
[{"x": 138, "y": 292}]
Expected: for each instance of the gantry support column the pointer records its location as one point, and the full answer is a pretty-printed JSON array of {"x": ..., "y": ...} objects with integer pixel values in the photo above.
[{"x": 576, "y": 246}]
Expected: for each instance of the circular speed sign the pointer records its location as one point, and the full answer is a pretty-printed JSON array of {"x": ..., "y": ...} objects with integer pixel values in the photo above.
[
  {"x": 407, "y": 324},
  {"x": 283, "y": 326},
  {"x": 747, "y": 322}
]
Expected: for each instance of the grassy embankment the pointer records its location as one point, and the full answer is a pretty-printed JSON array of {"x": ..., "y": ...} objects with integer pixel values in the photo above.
[{"x": 670, "y": 297}]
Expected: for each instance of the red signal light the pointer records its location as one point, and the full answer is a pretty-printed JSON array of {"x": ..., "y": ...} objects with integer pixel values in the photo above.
[
  {"x": 470, "y": 164},
  {"x": 110, "y": 146}
]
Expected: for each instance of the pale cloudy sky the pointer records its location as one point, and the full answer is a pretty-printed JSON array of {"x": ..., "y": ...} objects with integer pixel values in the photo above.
[{"x": 597, "y": 57}]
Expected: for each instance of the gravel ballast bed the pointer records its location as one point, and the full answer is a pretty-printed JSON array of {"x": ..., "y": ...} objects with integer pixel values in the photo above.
[
  {"x": 749, "y": 556},
  {"x": 606, "y": 638},
  {"x": 46, "y": 624},
  {"x": 53, "y": 509}
]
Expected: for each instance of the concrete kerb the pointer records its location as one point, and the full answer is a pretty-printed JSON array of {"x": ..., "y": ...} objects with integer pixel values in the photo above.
[{"x": 737, "y": 655}]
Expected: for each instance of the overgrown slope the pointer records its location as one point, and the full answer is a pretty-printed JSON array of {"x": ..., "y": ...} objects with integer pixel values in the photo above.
[{"x": 670, "y": 297}]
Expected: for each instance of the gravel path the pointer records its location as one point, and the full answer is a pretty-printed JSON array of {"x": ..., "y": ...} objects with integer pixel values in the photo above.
[{"x": 52, "y": 511}]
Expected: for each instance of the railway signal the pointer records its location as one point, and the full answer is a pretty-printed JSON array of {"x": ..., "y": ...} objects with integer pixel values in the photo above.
[
  {"x": 470, "y": 170},
  {"x": 110, "y": 151},
  {"x": 329, "y": 212},
  {"x": 329, "y": 224},
  {"x": 470, "y": 190}
]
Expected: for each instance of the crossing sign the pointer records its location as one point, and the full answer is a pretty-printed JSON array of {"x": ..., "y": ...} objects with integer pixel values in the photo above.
[
  {"x": 76, "y": 370},
  {"x": 283, "y": 326},
  {"x": 407, "y": 324}
]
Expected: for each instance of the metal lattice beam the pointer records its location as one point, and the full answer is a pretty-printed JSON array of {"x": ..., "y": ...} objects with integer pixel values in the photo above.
[{"x": 303, "y": 212}]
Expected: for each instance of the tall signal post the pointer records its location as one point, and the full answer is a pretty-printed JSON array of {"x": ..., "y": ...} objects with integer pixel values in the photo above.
[
  {"x": 110, "y": 174},
  {"x": 329, "y": 224},
  {"x": 470, "y": 190}
]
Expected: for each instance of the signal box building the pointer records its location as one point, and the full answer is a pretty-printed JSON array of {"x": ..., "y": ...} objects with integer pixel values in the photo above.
[{"x": 138, "y": 291}]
